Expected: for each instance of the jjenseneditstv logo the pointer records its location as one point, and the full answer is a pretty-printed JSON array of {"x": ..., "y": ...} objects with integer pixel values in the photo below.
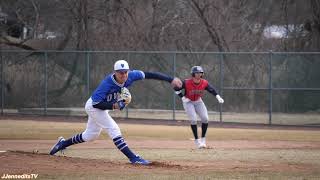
[{"x": 19, "y": 176}]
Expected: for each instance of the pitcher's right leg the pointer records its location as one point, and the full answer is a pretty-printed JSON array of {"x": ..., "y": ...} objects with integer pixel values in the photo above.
[{"x": 91, "y": 133}]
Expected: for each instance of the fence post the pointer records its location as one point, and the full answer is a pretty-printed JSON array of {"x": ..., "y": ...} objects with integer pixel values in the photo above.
[
  {"x": 221, "y": 84},
  {"x": 2, "y": 81},
  {"x": 174, "y": 94},
  {"x": 270, "y": 88},
  {"x": 88, "y": 73},
  {"x": 45, "y": 82}
]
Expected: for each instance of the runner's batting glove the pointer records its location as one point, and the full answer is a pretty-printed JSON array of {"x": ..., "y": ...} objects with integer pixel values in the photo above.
[
  {"x": 185, "y": 100},
  {"x": 219, "y": 99}
]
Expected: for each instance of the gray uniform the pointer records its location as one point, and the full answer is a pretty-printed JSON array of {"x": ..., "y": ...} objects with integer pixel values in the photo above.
[{"x": 193, "y": 108}]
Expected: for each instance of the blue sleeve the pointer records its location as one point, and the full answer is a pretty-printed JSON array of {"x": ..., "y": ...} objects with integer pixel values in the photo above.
[
  {"x": 136, "y": 75},
  {"x": 158, "y": 76}
]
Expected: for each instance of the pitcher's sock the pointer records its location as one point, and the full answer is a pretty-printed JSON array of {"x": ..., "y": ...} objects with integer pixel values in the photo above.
[
  {"x": 76, "y": 139},
  {"x": 123, "y": 147}
]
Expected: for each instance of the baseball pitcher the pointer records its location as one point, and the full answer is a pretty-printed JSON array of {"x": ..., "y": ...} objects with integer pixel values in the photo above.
[{"x": 112, "y": 93}]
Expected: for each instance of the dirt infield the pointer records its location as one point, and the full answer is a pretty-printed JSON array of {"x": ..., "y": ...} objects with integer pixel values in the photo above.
[
  {"x": 28, "y": 156},
  {"x": 233, "y": 153},
  {"x": 17, "y": 162}
]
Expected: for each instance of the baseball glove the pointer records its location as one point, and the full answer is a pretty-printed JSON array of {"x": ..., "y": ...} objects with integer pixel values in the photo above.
[{"x": 125, "y": 95}]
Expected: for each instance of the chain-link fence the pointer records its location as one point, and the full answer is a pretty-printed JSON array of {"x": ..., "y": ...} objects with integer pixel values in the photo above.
[{"x": 264, "y": 87}]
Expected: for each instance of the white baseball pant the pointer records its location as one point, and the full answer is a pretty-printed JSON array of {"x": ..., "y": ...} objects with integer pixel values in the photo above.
[
  {"x": 99, "y": 120},
  {"x": 193, "y": 108}
]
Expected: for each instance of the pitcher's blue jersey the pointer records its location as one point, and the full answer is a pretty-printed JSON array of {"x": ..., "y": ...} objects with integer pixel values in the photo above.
[{"x": 108, "y": 89}]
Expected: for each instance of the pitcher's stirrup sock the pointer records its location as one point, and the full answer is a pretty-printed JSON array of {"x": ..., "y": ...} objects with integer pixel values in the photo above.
[
  {"x": 123, "y": 147},
  {"x": 76, "y": 139}
]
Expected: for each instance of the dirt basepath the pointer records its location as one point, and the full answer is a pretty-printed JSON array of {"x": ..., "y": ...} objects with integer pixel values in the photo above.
[{"x": 30, "y": 145}]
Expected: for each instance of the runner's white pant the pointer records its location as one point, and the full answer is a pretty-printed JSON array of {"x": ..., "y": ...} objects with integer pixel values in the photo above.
[
  {"x": 99, "y": 120},
  {"x": 193, "y": 108}
]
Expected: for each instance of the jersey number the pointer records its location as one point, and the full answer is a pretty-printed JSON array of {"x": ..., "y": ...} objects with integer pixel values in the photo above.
[{"x": 112, "y": 96}]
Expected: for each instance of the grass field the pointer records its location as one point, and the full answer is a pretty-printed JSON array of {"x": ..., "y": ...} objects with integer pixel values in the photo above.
[{"x": 235, "y": 153}]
